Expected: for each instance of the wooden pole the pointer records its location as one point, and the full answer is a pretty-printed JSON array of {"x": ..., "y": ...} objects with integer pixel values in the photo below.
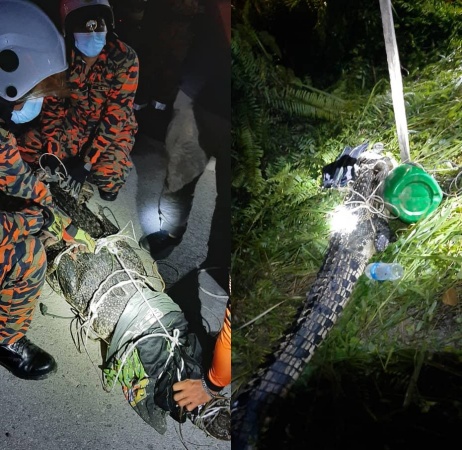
[{"x": 396, "y": 82}]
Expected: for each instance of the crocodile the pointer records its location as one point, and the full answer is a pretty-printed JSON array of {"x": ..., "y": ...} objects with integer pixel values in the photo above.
[{"x": 344, "y": 262}]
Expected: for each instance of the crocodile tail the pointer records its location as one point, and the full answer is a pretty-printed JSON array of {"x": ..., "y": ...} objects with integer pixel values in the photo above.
[
  {"x": 245, "y": 425},
  {"x": 257, "y": 404}
]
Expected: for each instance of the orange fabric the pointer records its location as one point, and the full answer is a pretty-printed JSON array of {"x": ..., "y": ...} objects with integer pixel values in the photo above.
[
  {"x": 220, "y": 372},
  {"x": 96, "y": 121},
  {"x": 22, "y": 274},
  {"x": 16, "y": 178}
]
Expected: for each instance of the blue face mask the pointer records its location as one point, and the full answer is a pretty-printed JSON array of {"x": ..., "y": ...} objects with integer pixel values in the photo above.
[
  {"x": 29, "y": 111},
  {"x": 90, "y": 44}
]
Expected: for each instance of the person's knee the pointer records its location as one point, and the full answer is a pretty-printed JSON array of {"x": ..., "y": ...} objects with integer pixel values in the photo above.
[
  {"x": 110, "y": 174},
  {"x": 30, "y": 259}
]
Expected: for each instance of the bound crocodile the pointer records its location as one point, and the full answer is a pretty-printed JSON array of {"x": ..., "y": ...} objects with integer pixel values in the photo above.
[{"x": 344, "y": 262}]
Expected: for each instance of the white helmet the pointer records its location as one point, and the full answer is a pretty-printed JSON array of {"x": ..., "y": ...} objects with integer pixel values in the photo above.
[
  {"x": 31, "y": 48},
  {"x": 68, "y": 6}
]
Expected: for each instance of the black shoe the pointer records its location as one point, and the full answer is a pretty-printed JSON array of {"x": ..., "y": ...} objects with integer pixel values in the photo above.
[
  {"x": 159, "y": 244},
  {"x": 108, "y": 196},
  {"x": 27, "y": 361}
]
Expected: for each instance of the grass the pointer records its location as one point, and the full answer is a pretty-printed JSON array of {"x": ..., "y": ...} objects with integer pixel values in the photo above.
[{"x": 276, "y": 259}]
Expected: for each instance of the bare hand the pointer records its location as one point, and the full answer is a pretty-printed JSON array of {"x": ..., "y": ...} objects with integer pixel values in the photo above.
[
  {"x": 190, "y": 394},
  {"x": 47, "y": 239}
]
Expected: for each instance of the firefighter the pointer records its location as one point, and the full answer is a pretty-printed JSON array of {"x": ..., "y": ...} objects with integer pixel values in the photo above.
[
  {"x": 93, "y": 131},
  {"x": 32, "y": 61}
]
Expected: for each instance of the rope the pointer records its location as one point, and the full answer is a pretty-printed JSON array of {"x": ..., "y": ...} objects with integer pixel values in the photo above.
[
  {"x": 58, "y": 176},
  {"x": 138, "y": 281},
  {"x": 373, "y": 203},
  {"x": 110, "y": 244},
  {"x": 368, "y": 204},
  {"x": 174, "y": 340}
]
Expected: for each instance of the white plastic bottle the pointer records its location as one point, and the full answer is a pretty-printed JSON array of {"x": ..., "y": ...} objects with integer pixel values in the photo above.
[{"x": 384, "y": 271}]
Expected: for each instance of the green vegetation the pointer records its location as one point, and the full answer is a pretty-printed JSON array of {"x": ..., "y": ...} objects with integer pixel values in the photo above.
[{"x": 285, "y": 130}]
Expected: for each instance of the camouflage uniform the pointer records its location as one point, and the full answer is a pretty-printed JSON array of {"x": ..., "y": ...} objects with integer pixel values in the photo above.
[
  {"x": 97, "y": 121},
  {"x": 22, "y": 256}
]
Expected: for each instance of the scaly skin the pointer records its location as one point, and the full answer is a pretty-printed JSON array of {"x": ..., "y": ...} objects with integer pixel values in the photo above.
[{"x": 344, "y": 262}]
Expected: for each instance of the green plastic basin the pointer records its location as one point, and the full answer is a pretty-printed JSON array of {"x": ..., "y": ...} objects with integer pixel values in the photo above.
[{"x": 412, "y": 192}]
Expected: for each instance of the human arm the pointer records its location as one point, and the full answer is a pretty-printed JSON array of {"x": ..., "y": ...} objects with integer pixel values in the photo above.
[
  {"x": 52, "y": 125},
  {"x": 192, "y": 393},
  {"x": 16, "y": 226},
  {"x": 17, "y": 180}
]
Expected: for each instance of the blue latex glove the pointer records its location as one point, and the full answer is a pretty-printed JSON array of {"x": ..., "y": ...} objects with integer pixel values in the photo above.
[{"x": 77, "y": 172}]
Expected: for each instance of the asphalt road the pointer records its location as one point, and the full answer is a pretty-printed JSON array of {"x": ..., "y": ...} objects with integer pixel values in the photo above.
[{"x": 71, "y": 410}]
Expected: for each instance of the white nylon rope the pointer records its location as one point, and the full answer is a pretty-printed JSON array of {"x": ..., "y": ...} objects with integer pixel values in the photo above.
[{"x": 109, "y": 243}]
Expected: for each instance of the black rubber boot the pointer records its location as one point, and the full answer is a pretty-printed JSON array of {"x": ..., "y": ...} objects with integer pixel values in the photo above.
[
  {"x": 27, "y": 361},
  {"x": 159, "y": 244},
  {"x": 108, "y": 196}
]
